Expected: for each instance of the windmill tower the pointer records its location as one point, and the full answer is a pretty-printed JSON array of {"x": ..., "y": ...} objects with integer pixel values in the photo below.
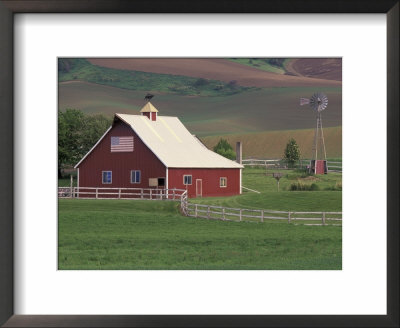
[{"x": 318, "y": 102}]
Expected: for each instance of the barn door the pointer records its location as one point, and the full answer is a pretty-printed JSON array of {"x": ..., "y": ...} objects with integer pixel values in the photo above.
[{"x": 199, "y": 187}]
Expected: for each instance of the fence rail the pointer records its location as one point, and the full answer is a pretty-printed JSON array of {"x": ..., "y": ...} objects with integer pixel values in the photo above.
[
  {"x": 202, "y": 210},
  {"x": 256, "y": 215},
  {"x": 120, "y": 193},
  {"x": 282, "y": 164}
]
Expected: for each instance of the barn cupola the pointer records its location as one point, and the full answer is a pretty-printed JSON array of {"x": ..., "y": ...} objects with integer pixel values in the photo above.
[{"x": 150, "y": 111}]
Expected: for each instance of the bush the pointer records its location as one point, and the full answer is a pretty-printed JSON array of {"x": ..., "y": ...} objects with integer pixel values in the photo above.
[{"x": 300, "y": 186}]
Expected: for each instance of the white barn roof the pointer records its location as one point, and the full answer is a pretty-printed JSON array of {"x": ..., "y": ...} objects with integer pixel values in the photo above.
[{"x": 173, "y": 144}]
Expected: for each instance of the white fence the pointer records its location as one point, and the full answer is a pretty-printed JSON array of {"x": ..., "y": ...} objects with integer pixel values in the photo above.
[
  {"x": 202, "y": 210},
  {"x": 253, "y": 215},
  {"x": 273, "y": 163},
  {"x": 121, "y": 193},
  {"x": 281, "y": 164}
]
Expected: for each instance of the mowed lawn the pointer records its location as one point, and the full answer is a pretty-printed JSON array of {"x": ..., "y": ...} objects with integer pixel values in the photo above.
[
  {"x": 135, "y": 235},
  {"x": 327, "y": 197}
]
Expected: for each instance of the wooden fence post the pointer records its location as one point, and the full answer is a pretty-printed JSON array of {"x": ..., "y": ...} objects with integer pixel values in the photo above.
[
  {"x": 141, "y": 193},
  {"x": 240, "y": 215},
  {"x": 289, "y": 217},
  {"x": 97, "y": 193},
  {"x": 323, "y": 218},
  {"x": 208, "y": 212},
  {"x": 195, "y": 210},
  {"x": 223, "y": 213},
  {"x": 262, "y": 215},
  {"x": 119, "y": 193},
  {"x": 150, "y": 193},
  {"x": 173, "y": 193},
  {"x": 72, "y": 184}
]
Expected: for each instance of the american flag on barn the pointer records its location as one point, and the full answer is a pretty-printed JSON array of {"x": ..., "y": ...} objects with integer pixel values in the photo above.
[{"x": 121, "y": 144}]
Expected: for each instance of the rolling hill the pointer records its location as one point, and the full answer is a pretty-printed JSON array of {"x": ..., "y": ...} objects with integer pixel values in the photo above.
[
  {"x": 213, "y": 68},
  {"x": 251, "y": 111},
  {"x": 255, "y": 101}
]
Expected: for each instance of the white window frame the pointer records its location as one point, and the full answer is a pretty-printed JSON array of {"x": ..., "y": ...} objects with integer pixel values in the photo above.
[
  {"x": 140, "y": 176},
  {"x": 226, "y": 182},
  {"x": 191, "y": 179},
  {"x": 102, "y": 176}
]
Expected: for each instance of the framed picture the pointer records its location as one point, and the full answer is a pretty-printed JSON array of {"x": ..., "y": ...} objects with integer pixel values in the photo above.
[{"x": 34, "y": 292}]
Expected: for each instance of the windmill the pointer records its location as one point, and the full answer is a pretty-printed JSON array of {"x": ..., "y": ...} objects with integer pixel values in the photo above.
[{"x": 318, "y": 102}]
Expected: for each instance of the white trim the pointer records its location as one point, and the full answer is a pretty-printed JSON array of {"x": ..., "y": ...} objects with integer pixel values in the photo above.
[
  {"x": 240, "y": 183},
  {"x": 191, "y": 179},
  {"x": 77, "y": 181},
  {"x": 102, "y": 181},
  {"x": 76, "y": 166},
  {"x": 226, "y": 180},
  {"x": 201, "y": 194},
  {"x": 140, "y": 177}
]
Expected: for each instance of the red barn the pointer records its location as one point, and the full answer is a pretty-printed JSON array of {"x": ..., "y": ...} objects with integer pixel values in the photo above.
[{"x": 153, "y": 151}]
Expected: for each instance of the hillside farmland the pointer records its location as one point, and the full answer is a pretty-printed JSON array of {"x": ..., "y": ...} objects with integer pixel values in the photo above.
[
  {"x": 268, "y": 109},
  {"x": 270, "y": 144},
  {"x": 321, "y": 68},
  {"x": 212, "y": 68}
]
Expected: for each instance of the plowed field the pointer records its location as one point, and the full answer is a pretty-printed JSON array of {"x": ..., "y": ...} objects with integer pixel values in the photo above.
[
  {"x": 321, "y": 68},
  {"x": 212, "y": 68}
]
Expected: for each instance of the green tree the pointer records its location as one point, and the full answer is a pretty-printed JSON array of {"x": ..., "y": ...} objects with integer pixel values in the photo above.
[
  {"x": 292, "y": 152},
  {"x": 77, "y": 133},
  {"x": 225, "y": 149}
]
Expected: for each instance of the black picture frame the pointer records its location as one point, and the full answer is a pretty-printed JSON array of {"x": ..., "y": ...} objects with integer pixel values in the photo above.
[{"x": 7, "y": 10}]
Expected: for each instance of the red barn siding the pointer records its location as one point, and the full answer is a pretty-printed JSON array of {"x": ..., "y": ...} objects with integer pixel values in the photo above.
[
  {"x": 210, "y": 181},
  {"x": 121, "y": 164}
]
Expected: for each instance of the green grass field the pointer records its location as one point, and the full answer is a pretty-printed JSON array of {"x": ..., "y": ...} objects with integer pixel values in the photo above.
[
  {"x": 324, "y": 199},
  {"x": 124, "y": 234},
  {"x": 134, "y": 235}
]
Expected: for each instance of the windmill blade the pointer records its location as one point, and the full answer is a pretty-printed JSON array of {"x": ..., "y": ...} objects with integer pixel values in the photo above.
[
  {"x": 319, "y": 102},
  {"x": 304, "y": 101}
]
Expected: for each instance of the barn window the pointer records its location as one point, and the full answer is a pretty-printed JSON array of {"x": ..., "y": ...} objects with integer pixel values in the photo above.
[
  {"x": 107, "y": 177},
  {"x": 223, "y": 182},
  {"x": 187, "y": 179},
  {"x": 135, "y": 176}
]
